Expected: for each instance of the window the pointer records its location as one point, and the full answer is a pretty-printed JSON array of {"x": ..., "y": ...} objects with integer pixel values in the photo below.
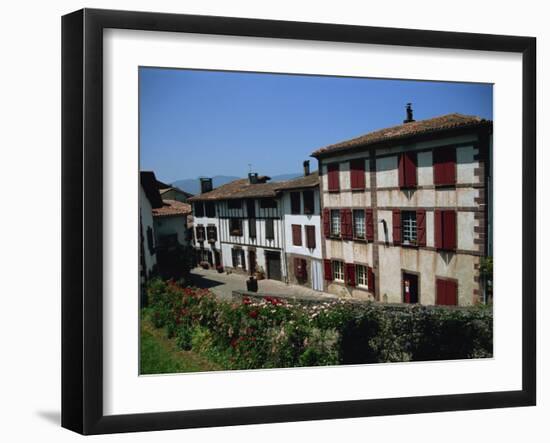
[
  {"x": 333, "y": 170},
  {"x": 446, "y": 292},
  {"x": 297, "y": 235},
  {"x": 309, "y": 202},
  {"x": 335, "y": 223},
  {"x": 359, "y": 223},
  {"x": 444, "y": 166},
  {"x": 252, "y": 227},
  {"x": 408, "y": 227},
  {"x": 357, "y": 174},
  {"x": 237, "y": 258},
  {"x": 338, "y": 271},
  {"x": 267, "y": 203},
  {"x": 407, "y": 170},
  {"x": 200, "y": 233},
  {"x": 210, "y": 209},
  {"x": 362, "y": 276},
  {"x": 236, "y": 227},
  {"x": 295, "y": 203},
  {"x": 310, "y": 236},
  {"x": 269, "y": 229},
  {"x": 211, "y": 233},
  {"x": 235, "y": 204},
  {"x": 199, "y": 209},
  {"x": 445, "y": 229}
]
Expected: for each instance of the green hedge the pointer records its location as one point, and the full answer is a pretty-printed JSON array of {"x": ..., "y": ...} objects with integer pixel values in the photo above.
[{"x": 274, "y": 334}]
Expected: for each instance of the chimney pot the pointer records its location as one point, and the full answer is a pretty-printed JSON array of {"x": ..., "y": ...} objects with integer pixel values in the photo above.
[{"x": 409, "y": 111}]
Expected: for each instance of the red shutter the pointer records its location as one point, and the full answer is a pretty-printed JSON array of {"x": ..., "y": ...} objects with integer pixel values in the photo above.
[
  {"x": 326, "y": 222},
  {"x": 421, "y": 227},
  {"x": 446, "y": 292},
  {"x": 328, "y": 270},
  {"x": 310, "y": 236},
  {"x": 449, "y": 230},
  {"x": 401, "y": 170},
  {"x": 350, "y": 274},
  {"x": 438, "y": 228},
  {"x": 357, "y": 168},
  {"x": 369, "y": 222},
  {"x": 370, "y": 279},
  {"x": 445, "y": 166},
  {"x": 333, "y": 177},
  {"x": 396, "y": 226},
  {"x": 346, "y": 222},
  {"x": 407, "y": 170},
  {"x": 297, "y": 235}
]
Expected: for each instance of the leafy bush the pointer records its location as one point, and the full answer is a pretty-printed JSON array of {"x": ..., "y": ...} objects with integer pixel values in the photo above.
[{"x": 273, "y": 334}]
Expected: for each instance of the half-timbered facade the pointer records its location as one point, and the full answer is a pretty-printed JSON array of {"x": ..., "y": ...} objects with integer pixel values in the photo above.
[{"x": 405, "y": 211}]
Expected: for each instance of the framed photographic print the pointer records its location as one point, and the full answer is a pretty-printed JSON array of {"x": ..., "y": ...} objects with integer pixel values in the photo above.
[{"x": 268, "y": 221}]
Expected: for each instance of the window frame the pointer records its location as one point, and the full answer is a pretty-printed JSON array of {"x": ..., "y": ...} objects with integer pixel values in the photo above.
[
  {"x": 408, "y": 224},
  {"x": 272, "y": 228},
  {"x": 355, "y": 236},
  {"x": 310, "y": 199},
  {"x": 333, "y": 233},
  {"x": 239, "y": 221},
  {"x": 295, "y": 195},
  {"x": 365, "y": 272},
  {"x": 311, "y": 228},
  {"x": 336, "y": 272}
]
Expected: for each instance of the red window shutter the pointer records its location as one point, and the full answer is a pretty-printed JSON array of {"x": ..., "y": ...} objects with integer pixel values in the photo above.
[
  {"x": 407, "y": 170},
  {"x": 438, "y": 228},
  {"x": 370, "y": 279},
  {"x": 333, "y": 177},
  {"x": 396, "y": 226},
  {"x": 310, "y": 236},
  {"x": 449, "y": 230},
  {"x": 421, "y": 227},
  {"x": 445, "y": 166},
  {"x": 440, "y": 291},
  {"x": 328, "y": 270},
  {"x": 446, "y": 292},
  {"x": 326, "y": 222},
  {"x": 297, "y": 235},
  {"x": 357, "y": 168},
  {"x": 350, "y": 274},
  {"x": 369, "y": 222},
  {"x": 347, "y": 228}
]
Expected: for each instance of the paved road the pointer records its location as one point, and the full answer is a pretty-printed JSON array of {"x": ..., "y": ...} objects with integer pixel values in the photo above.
[{"x": 224, "y": 284}]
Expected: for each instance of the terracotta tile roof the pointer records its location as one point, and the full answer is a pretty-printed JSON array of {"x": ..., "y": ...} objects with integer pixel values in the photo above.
[
  {"x": 408, "y": 130},
  {"x": 174, "y": 188},
  {"x": 242, "y": 188},
  {"x": 307, "y": 181},
  {"x": 172, "y": 208}
]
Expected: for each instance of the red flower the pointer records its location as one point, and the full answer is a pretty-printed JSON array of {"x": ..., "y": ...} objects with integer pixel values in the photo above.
[
  {"x": 253, "y": 314},
  {"x": 246, "y": 301}
]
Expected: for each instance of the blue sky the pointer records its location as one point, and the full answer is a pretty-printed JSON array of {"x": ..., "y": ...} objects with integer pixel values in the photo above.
[{"x": 206, "y": 123}]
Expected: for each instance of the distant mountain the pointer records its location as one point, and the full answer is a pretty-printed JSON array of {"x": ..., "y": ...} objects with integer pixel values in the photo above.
[{"x": 192, "y": 185}]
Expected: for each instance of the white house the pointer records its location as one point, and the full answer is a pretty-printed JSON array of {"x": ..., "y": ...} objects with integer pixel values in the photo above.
[
  {"x": 170, "y": 223},
  {"x": 149, "y": 198},
  {"x": 302, "y": 229}
]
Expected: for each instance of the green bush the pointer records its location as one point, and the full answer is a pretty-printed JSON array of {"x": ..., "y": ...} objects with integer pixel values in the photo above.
[{"x": 273, "y": 334}]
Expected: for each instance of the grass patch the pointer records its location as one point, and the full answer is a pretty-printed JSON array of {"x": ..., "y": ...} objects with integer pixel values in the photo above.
[{"x": 160, "y": 355}]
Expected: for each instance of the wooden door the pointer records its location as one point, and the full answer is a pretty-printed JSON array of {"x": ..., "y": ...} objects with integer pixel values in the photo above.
[
  {"x": 273, "y": 264},
  {"x": 252, "y": 261}
]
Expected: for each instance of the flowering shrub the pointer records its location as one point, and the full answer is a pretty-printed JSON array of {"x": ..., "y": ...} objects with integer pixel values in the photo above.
[{"x": 271, "y": 333}]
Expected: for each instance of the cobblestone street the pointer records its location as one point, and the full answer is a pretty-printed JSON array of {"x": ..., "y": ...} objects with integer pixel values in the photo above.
[{"x": 223, "y": 284}]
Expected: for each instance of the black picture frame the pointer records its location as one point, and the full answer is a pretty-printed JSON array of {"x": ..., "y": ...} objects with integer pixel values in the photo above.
[{"x": 82, "y": 154}]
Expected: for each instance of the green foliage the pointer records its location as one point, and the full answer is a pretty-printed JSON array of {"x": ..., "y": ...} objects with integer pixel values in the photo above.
[{"x": 273, "y": 334}]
